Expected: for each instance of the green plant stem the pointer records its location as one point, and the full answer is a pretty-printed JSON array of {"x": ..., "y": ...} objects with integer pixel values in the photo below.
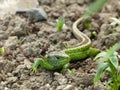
[
  {"x": 115, "y": 85},
  {"x": 94, "y": 7}
]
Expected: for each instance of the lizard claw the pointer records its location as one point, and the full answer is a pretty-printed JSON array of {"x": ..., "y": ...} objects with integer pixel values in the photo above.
[
  {"x": 36, "y": 65},
  {"x": 33, "y": 69}
]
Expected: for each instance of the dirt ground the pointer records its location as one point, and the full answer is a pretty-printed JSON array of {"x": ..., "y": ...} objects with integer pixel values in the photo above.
[{"x": 24, "y": 41}]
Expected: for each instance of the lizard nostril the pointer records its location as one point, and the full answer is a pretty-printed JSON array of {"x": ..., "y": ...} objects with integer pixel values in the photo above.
[{"x": 58, "y": 57}]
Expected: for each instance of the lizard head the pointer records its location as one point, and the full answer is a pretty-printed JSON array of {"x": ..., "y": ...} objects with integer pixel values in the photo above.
[
  {"x": 58, "y": 55},
  {"x": 57, "y": 59}
]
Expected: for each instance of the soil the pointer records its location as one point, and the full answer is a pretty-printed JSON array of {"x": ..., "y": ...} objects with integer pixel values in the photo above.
[{"x": 23, "y": 41}]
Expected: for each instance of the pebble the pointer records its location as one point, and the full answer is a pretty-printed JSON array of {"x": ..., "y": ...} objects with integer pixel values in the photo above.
[
  {"x": 27, "y": 63},
  {"x": 85, "y": 80},
  {"x": 11, "y": 42},
  {"x": 60, "y": 87},
  {"x": 20, "y": 67},
  {"x": 28, "y": 51},
  {"x": 20, "y": 57},
  {"x": 5, "y": 88},
  {"x": 68, "y": 87},
  {"x": 55, "y": 15},
  {"x": 31, "y": 38},
  {"x": 9, "y": 66},
  {"x": 34, "y": 15},
  {"x": 31, "y": 51},
  {"x": 18, "y": 31},
  {"x": 9, "y": 74},
  {"x": 3, "y": 36},
  {"x": 1, "y": 65},
  {"x": 100, "y": 86},
  {"x": 17, "y": 27},
  {"x": 47, "y": 86},
  {"x": 104, "y": 27},
  {"x": 12, "y": 79},
  {"x": 60, "y": 78}
]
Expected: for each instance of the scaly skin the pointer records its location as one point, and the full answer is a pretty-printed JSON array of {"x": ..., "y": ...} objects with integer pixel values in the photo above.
[
  {"x": 59, "y": 60},
  {"x": 52, "y": 61}
]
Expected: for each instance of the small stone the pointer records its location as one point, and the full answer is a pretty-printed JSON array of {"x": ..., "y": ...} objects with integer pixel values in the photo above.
[
  {"x": 28, "y": 51},
  {"x": 2, "y": 77},
  {"x": 3, "y": 83},
  {"x": 15, "y": 85},
  {"x": 1, "y": 65},
  {"x": 20, "y": 67},
  {"x": 6, "y": 88},
  {"x": 65, "y": 27},
  {"x": 9, "y": 66},
  {"x": 56, "y": 15},
  {"x": 95, "y": 25},
  {"x": 12, "y": 79},
  {"x": 27, "y": 63},
  {"x": 3, "y": 36},
  {"x": 9, "y": 74},
  {"x": 30, "y": 38},
  {"x": 18, "y": 31},
  {"x": 20, "y": 57},
  {"x": 100, "y": 86},
  {"x": 34, "y": 15},
  {"x": 104, "y": 27},
  {"x": 60, "y": 78},
  {"x": 87, "y": 32},
  {"x": 85, "y": 79},
  {"x": 47, "y": 86},
  {"x": 68, "y": 87},
  {"x": 11, "y": 42},
  {"x": 60, "y": 87}
]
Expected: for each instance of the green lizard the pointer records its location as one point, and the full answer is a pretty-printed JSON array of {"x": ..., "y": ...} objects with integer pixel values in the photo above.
[{"x": 61, "y": 60}]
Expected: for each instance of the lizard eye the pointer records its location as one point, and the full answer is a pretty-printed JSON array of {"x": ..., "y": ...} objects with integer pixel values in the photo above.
[{"x": 58, "y": 57}]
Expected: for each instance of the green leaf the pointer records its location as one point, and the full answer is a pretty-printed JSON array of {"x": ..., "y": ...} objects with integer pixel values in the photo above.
[
  {"x": 102, "y": 55},
  {"x": 87, "y": 24},
  {"x": 117, "y": 21},
  {"x": 60, "y": 24},
  {"x": 114, "y": 61},
  {"x": 111, "y": 73},
  {"x": 118, "y": 78},
  {"x": 72, "y": 71},
  {"x": 101, "y": 68},
  {"x": 2, "y": 51},
  {"x": 114, "y": 48},
  {"x": 119, "y": 69},
  {"x": 94, "y": 7}
]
